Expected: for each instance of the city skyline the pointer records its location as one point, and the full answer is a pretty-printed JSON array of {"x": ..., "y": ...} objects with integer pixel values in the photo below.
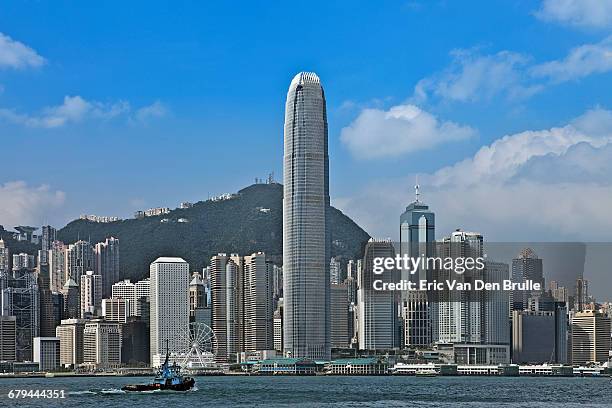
[{"x": 442, "y": 115}]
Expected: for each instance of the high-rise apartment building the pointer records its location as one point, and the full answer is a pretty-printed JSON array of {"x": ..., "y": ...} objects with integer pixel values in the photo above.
[
  {"x": 306, "y": 225},
  {"x": 169, "y": 306},
  {"x": 56, "y": 258},
  {"x": 48, "y": 236},
  {"x": 107, "y": 263},
  {"x": 258, "y": 303},
  {"x": 23, "y": 261},
  {"x": 226, "y": 275},
  {"x": 458, "y": 316},
  {"x": 91, "y": 294},
  {"x": 4, "y": 257},
  {"x": 80, "y": 258}
]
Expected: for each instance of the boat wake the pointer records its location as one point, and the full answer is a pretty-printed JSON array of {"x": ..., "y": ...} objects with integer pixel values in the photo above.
[{"x": 104, "y": 391}]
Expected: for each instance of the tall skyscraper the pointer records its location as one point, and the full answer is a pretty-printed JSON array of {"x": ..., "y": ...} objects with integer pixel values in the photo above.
[
  {"x": 377, "y": 309},
  {"x": 19, "y": 297},
  {"x": 527, "y": 266},
  {"x": 306, "y": 228},
  {"x": 258, "y": 310},
  {"x": 57, "y": 266},
  {"x": 107, "y": 263},
  {"x": 339, "y": 307},
  {"x": 459, "y": 315},
  {"x": 417, "y": 236},
  {"x": 169, "y": 306},
  {"x": 49, "y": 235},
  {"x": 91, "y": 294},
  {"x": 496, "y": 305},
  {"x": 226, "y": 273}
]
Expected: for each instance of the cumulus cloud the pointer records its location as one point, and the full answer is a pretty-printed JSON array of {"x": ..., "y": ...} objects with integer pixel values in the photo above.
[
  {"x": 75, "y": 109},
  {"x": 580, "y": 62},
  {"x": 16, "y": 55},
  {"x": 579, "y": 13},
  {"x": 402, "y": 129},
  {"x": 25, "y": 204},
  {"x": 549, "y": 184},
  {"x": 472, "y": 76},
  {"x": 502, "y": 159}
]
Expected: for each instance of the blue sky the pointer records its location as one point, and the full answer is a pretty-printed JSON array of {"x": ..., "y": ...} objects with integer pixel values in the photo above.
[{"x": 110, "y": 107}]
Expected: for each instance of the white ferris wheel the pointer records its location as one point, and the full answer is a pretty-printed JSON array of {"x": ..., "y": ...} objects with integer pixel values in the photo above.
[{"x": 201, "y": 345}]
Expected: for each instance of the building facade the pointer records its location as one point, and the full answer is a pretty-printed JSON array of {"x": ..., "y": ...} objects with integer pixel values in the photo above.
[
  {"x": 590, "y": 337},
  {"x": 169, "y": 306},
  {"x": 102, "y": 344},
  {"x": 306, "y": 228}
]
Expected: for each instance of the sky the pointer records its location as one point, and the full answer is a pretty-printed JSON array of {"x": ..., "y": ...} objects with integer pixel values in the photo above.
[{"x": 503, "y": 110}]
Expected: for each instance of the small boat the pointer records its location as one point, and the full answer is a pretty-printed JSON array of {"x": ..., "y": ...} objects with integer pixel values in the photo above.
[{"x": 168, "y": 378}]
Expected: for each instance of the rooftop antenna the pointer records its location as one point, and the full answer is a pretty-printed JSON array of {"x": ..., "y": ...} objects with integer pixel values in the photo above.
[{"x": 416, "y": 189}]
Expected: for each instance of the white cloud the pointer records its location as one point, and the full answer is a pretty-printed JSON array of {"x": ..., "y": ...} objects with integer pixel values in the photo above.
[
  {"x": 155, "y": 110},
  {"x": 503, "y": 158},
  {"x": 579, "y": 13},
  {"x": 14, "y": 54},
  {"x": 400, "y": 130},
  {"x": 472, "y": 77},
  {"x": 75, "y": 109},
  {"x": 24, "y": 204},
  {"x": 580, "y": 62},
  {"x": 551, "y": 184}
]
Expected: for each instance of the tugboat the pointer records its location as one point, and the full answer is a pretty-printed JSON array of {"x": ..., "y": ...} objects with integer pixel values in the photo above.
[{"x": 168, "y": 378}]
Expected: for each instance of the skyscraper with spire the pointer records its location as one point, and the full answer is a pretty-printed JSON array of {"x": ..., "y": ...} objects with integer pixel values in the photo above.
[
  {"x": 417, "y": 237},
  {"x": 306, "y": 229}
]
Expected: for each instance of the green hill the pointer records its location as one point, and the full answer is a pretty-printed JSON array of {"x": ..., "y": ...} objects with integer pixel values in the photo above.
[{"x": 250, "y": 221}]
